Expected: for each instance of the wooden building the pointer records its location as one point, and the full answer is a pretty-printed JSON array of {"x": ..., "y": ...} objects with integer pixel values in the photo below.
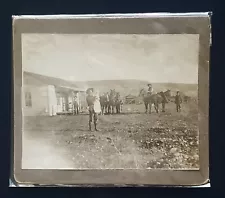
[{"x": 44, "y": 95}]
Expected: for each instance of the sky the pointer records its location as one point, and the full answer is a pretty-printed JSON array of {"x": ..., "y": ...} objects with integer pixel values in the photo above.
[{"x": 77, "y": 57}]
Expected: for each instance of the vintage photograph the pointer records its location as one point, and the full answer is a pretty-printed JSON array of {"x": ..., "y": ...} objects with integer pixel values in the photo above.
[{"x": 110, "y": 101}]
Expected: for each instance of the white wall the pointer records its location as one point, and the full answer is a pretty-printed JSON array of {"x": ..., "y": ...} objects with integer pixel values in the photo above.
[
  {"x": 39, "y": 98},
  {"x": 52, "y": 101}
]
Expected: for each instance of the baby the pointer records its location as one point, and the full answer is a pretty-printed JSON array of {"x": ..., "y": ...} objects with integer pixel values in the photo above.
[{"x": 97, "y": 106}]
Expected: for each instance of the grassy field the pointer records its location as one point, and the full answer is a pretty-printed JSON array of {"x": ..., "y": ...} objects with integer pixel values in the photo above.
[{"x": 130, "y": 140}]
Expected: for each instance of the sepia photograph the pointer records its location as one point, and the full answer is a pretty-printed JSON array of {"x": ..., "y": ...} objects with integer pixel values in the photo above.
[
  {"x": 110, "y": 101},
  {"x": 114, "y": 99}
]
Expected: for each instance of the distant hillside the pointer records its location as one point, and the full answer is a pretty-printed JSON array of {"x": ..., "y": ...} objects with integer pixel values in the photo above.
[{"x": 126, "y": 87}]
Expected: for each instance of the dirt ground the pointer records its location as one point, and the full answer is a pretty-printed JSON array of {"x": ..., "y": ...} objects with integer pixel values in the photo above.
[{"x": 132, "y": 139}]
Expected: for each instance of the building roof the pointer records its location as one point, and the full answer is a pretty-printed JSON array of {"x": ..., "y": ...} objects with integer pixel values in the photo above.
[{"x": 41, "y": 79}]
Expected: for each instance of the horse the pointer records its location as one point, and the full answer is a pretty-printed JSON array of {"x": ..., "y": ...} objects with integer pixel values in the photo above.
[
  {"x": 112, "y": 101},
  {"x": 118, "y": 103},
  {"x": 156, "y": 99},
  {"x": 104, "y": 102}
]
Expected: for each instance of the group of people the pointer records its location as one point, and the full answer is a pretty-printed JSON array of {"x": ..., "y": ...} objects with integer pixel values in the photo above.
[{"x": 94, "y": 107}]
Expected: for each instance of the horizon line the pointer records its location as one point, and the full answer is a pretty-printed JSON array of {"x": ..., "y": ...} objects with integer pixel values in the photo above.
[{"x": 83, "y": 81}]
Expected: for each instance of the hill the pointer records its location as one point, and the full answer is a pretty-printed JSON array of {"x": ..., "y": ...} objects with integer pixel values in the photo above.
[{"x": 126, "y": 87}]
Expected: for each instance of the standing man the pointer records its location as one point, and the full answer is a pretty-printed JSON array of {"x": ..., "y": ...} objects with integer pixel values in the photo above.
[
  {"x": 92, "y": 114},
  {"x": 76, "y": 104},
  {"x": 178, "y": 101}
]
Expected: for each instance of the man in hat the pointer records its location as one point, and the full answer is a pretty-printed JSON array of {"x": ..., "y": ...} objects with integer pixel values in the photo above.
[
  {"x": 92, "y": 114},
  {"x": 178, "y": 101},
  {"x": 76, "y": 104},
  {"x": 150, "y": 89}
]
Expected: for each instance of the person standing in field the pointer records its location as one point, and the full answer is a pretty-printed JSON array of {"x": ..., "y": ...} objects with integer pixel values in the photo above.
[
  {"x": 93, "y": 115},
  {"x": 76, "y": 104},
  {"x": 178, "y": 101}
]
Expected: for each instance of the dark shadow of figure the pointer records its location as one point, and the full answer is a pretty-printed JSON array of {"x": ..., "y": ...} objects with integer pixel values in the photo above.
[
  {"x": 178, "y": 101},
  {"x": 119, "y": 103}
]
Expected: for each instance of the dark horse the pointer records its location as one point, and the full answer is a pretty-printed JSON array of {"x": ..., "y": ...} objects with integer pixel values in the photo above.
[
  {"x": 112, "y": 101},
  {"x": 156, "y": 99},
  {"x": 104, "y": 102}
]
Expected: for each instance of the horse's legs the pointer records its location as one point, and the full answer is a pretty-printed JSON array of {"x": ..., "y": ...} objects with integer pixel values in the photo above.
[
  {"x": 150, "y": 108},
  {"x": 76, "y": 110},
  {"x": 146, "y": 107},
  {"x": 163, "y": 106},
  {"x": 108, "y": 109},
  {"x": 156, "y": 105},
  {"x": 73, "y": 109},
  {"x": 113, "y": 109},
  {"x": 102, "y": 109},
  {"x": 118, "y": 107}
]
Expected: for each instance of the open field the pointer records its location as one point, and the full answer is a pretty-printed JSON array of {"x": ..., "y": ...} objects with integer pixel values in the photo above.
[{"x": 132, "y": 139}]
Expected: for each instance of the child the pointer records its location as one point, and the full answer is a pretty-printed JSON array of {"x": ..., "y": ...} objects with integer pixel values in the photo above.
[
  {"x": 178, "y": 101},
  {"x": 97, "y": 106}
]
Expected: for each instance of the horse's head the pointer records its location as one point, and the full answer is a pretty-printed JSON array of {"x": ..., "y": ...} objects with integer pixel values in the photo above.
[
  {"x": 168, "y": 93},
  {"x": 142, "y": 92},
  {"x": 112, "y": 92}
]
